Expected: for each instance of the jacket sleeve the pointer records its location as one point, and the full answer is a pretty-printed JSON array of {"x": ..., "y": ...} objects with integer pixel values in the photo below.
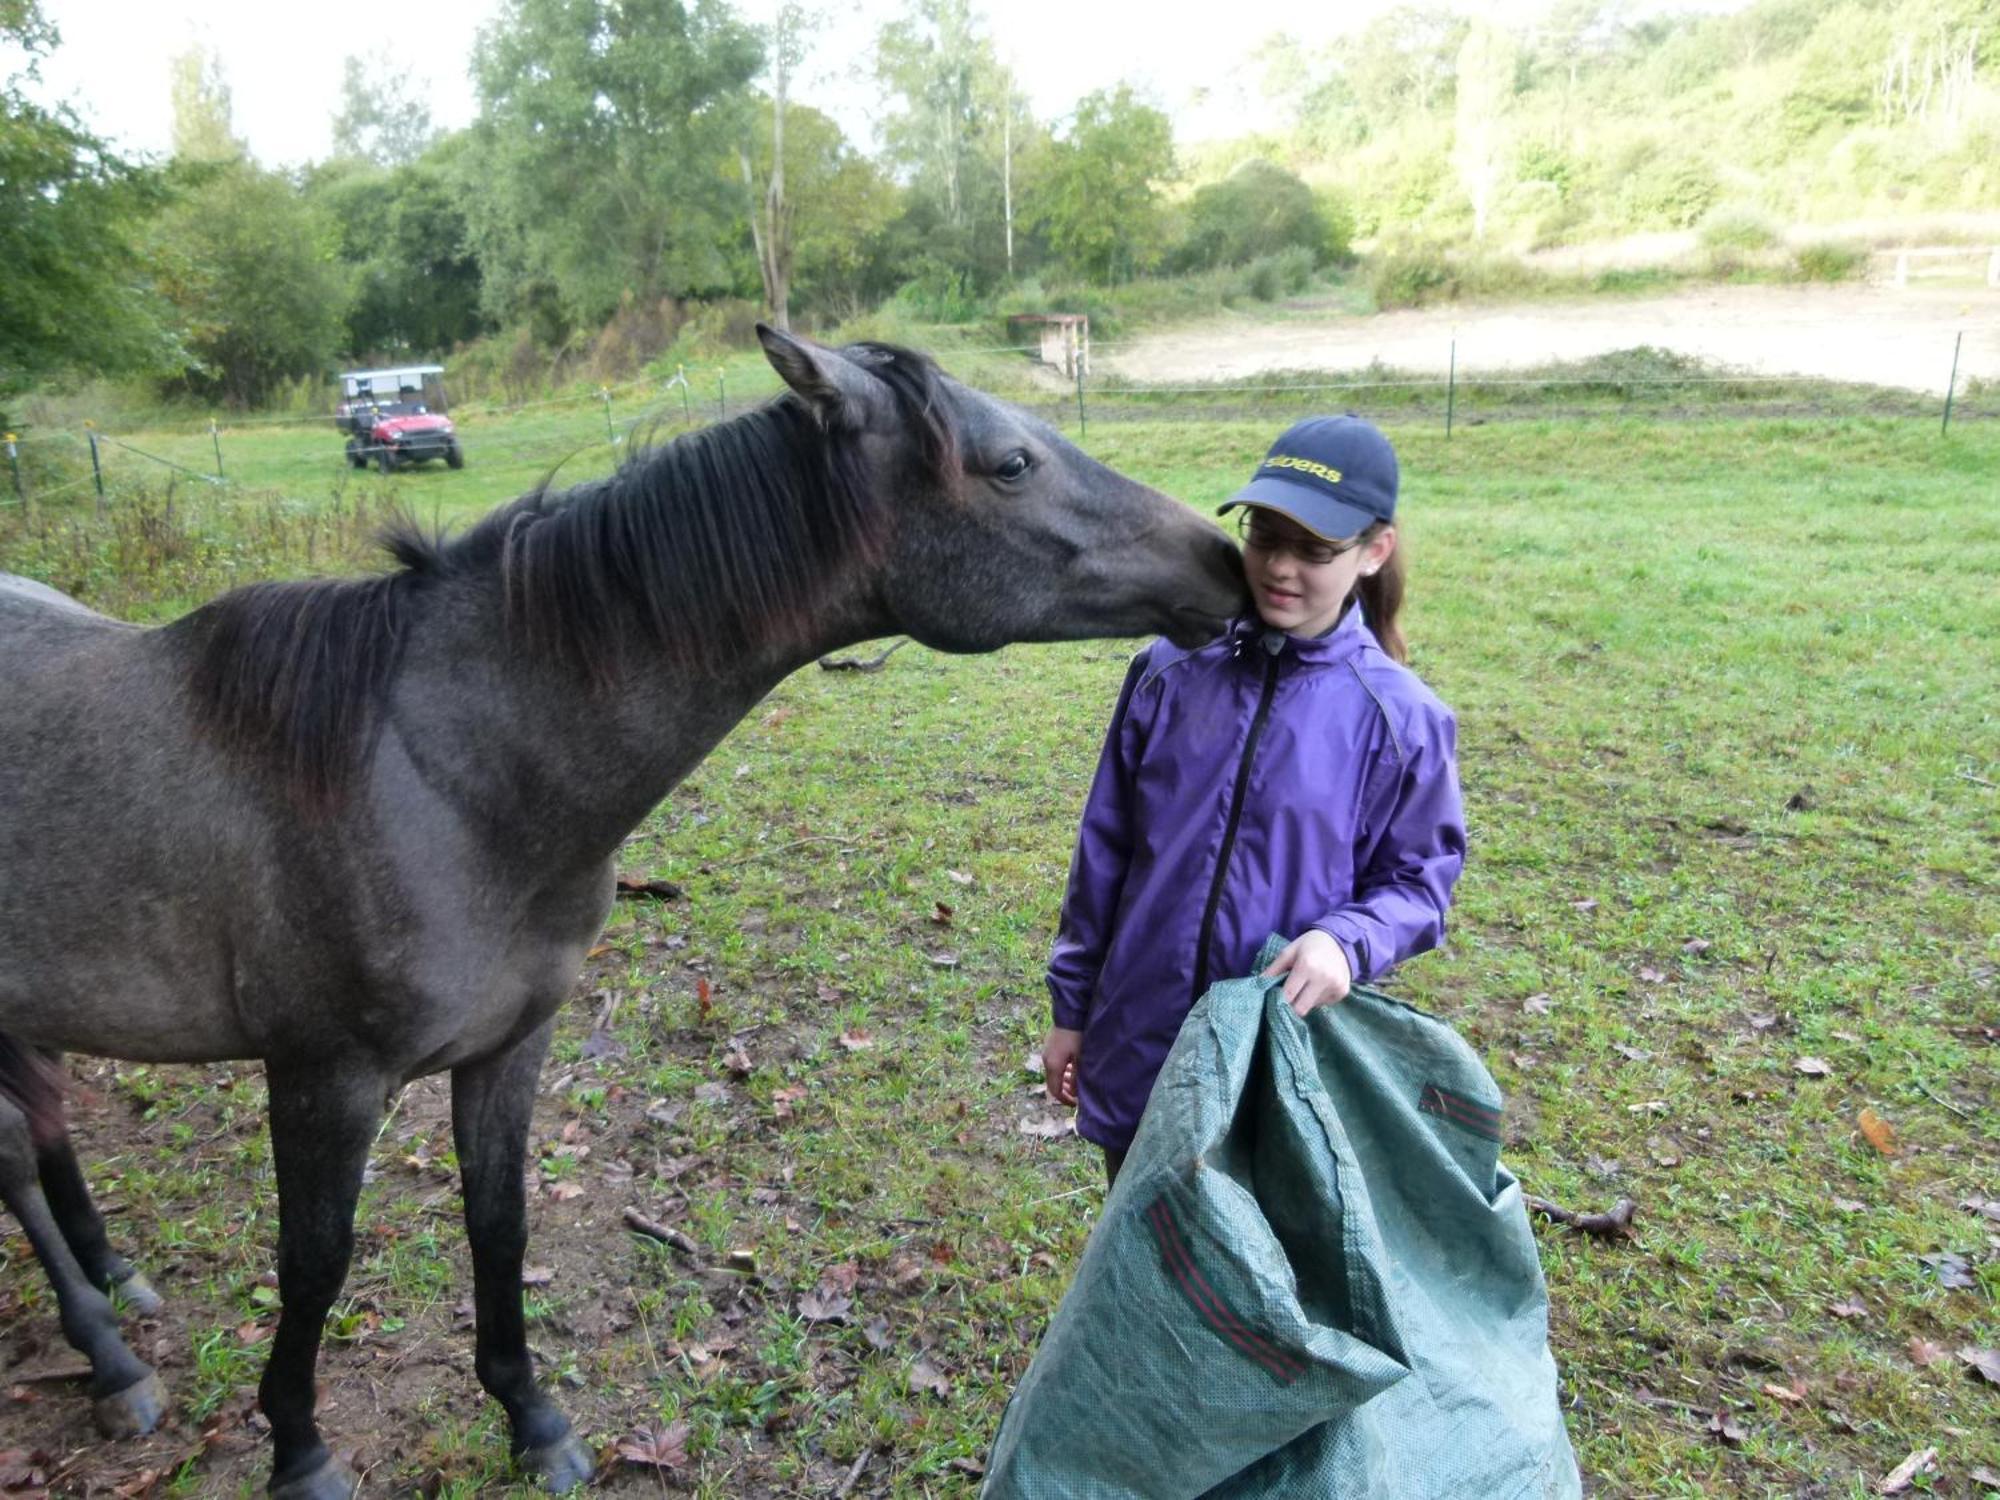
[
  {"x": 1403, "y": 886},
  {"x": 1097, "y": 870}
]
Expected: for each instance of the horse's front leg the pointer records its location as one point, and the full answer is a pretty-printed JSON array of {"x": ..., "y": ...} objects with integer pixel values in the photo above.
[
  {"x": 324, "y": 1116},
  {"x": 491, "y": 1101}
]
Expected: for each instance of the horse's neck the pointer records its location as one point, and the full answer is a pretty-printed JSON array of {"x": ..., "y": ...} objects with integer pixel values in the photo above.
[{"x": 559, "y": 766}]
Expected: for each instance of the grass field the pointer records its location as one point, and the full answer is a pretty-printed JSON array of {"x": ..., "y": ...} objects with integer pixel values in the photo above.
[{"x": 1728, "y": 697}]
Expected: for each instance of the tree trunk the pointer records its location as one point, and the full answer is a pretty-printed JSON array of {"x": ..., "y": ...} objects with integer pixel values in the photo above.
[{"x": 1007, "y": 177}]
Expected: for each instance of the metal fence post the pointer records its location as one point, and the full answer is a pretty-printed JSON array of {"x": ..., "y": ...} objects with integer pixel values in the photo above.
[
  {"x": 1951, "y": 385},
  {"x": 687, "y": 402},
  {"x": 610, "y": 436},
  {"x": 721, "y": 395},
  {"x": 96, "y": 469},
  {"x": 1082, "y": 424},
  {"x": 14, "y": 463},
  {"x": 216, "y": 438},
  {"x": 1451, "y": 389}
]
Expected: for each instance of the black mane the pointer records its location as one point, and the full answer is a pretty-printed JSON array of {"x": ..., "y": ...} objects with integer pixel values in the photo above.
[{"x": 722, "y": 539}]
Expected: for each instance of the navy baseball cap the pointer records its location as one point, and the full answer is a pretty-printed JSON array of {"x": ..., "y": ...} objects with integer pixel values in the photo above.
[{"x": 1332, "y": 475}]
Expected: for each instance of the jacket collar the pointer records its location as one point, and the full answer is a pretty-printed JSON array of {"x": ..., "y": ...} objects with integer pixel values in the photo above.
[{"x": 1349, "y": 636}]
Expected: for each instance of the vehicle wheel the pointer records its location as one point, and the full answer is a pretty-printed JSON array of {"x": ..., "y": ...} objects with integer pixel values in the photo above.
[
  {"x": 455, "y": 456},
  {"x": 385, "y": 459},
  {"x": 355, "y": 456}
]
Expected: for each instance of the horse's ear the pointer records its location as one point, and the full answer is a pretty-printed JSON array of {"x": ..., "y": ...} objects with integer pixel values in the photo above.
[{"x": 838, "y": 390}]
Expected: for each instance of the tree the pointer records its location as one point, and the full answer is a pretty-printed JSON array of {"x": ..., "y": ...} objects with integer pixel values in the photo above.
[
  {"x": 1403, "y": 61},
  {"x": 203, "y": 128},
  {"x": 604, "y": 158},
  {"x": 1487, "y": 63},
  {"x": 1097, "y": 201},
  {"x": 252, "y": 271},
  {"x": 381, "y": 118},
  {"x": 839, "y": 205},
  {"x": 771, "y": 210},
  {"x": 959, "y": 134},
  {"x": 402, "y": 234},
  {"x": 77, "y": 298}
]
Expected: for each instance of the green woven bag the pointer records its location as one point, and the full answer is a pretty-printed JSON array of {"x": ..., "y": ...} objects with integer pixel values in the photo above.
[{"x": 1313, "y": 1279}]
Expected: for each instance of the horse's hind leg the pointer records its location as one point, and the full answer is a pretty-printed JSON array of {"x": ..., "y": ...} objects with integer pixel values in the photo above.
[
  {"x": 83, "y": 1227},
  {"x": 130, "y": 1399},
  {"x": 491, "y": 1101}
]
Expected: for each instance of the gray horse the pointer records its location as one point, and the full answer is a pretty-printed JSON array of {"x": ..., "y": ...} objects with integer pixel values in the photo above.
[{"x": 364, "y": 829}]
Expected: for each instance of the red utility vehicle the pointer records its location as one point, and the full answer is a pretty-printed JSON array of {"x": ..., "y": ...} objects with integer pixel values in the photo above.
[{"x": 395, "y": 418}]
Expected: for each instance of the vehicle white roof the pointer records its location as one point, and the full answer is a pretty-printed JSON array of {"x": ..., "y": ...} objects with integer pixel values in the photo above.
[{"x": 393, "y": 370}]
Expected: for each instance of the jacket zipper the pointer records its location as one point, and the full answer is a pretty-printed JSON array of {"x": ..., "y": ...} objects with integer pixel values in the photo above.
[{"x": 1235, "y": 816}]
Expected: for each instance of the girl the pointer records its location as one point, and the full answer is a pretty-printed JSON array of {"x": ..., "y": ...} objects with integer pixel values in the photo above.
[{"x": 1292, "y": 776}]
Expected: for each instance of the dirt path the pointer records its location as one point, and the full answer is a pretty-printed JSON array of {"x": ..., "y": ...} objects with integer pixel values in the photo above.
[{"x": 1880, "y": 334}]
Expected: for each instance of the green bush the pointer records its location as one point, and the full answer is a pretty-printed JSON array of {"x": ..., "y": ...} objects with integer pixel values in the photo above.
[
  {"x": 1830, "y": 260},
  {"x": 1738, "y": 227},
  {"x": 1412, "y": 277},
  {"x": 1258, "y": 210},
  {"x": 1270, "y": 277}
]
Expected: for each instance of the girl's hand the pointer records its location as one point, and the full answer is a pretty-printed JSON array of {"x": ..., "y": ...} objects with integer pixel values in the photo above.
[
  {"x": 1318, "y": 969},
  {"x": 1060, "y": 1050}
]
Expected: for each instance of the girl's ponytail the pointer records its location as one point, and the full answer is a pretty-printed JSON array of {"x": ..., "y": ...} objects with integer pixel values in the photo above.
[{"x": 1382, "y": 600}]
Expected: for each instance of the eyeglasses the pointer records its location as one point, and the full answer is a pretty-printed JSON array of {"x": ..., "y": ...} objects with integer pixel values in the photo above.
[{"x": 1258, "y": 532}]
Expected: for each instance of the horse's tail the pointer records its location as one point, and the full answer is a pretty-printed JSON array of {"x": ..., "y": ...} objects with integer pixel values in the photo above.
[{"x": 31, "y": 1079}]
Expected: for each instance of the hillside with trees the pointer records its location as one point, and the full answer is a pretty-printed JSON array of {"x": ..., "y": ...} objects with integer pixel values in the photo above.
[{"x": 643, "y": 174}]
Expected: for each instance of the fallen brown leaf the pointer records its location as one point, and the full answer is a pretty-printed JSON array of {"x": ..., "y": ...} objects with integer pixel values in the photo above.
[
  {"x": 1791, "y": 1394},
  {"x": 1877, "y": 1132},
  {"x": 1985, "y": 1363},
  {"x": 657, "y": 1447},
  {"x": 1954, "y": 1272},
  {"x": 857, "y": 1040},
  {"x": 1924, "y": 1353},
  {"x": 783, "y": 1100},
  {"x": 1851, "y": 1308},
  {"x": 1985, "y": 1478},
  {"x": 1048, "y": 1127},
  {"x": 823, "y": 1306},
  {"x": 942, "y": 913},
  {"x": 925, "y": 1376},
  {"x": 1724, "y": 1426},
  {"x": 1813, "y": 1067}
]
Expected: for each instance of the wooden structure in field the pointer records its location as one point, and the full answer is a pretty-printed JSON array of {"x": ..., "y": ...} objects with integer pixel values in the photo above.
[{"x": 1064, "y": 339}]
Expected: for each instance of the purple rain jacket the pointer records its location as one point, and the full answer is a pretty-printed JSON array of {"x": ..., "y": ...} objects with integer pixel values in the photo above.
[{"x": 1261, "y": 783}]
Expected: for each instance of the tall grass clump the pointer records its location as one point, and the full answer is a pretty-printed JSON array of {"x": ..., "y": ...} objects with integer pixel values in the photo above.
[{"x": 1830, "y": 260}]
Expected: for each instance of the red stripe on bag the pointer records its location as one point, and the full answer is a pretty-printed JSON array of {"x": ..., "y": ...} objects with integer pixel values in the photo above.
[
  {"x": 1214, "y": 1311},
  {"x": 1480, "y": 1119}
]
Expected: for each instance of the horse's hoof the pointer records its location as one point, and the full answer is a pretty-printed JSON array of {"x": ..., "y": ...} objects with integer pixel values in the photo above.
[
  {"x": 332, "y": 1480},
  {"x": 135, "y": 1295},
  {"x": 562, "y": 1465},
  {"x": 134, "y": 1411}
]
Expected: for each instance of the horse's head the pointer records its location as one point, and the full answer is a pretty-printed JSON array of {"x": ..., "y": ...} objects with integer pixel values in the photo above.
[{"x": 999, "y": 529}]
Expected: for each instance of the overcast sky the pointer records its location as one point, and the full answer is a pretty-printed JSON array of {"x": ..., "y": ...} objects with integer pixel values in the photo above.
[{"x": 283, "y": 61}]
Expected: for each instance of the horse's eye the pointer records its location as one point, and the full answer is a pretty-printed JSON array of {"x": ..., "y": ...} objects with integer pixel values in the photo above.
[{"x": 1013, "y": 466}]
